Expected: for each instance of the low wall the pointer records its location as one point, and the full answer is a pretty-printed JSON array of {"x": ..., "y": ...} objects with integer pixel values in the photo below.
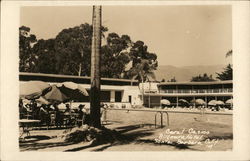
[{"x": 74, "y": 105}]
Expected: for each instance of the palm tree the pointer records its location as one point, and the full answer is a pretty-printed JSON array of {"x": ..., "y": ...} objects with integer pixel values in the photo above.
[
  {"x": 229, "y": 53},
  {"x": 227, "y": 74},
  {"x": 142, "y": 71},
  {"x": 95, "y": 69}
]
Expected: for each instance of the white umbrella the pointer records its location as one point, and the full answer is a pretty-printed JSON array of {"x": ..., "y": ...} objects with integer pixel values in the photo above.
[
  {"x": 33, "y": 89},
  {"x": 55, "y": 95},
  {"x": 183, "y": 100},
  {"x": 200, "y": 102},
  {"x": 165, "y": 102},
  {"x": 73, "y": 90},
  {"x": 62, "y": 106},
  {"x": 212, "y": 102},
  {"x": 220, "y": 103},
  {"x": 42, "y": 100},
  {"x": 229, "y": 101},
  {"x": 26, "y": 101}
]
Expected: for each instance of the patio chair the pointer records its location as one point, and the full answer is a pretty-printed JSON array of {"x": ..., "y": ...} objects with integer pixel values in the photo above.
[
  {"x": 80, "y": 121},
  {"x": 66, "y": 120},
  {"x": 104, "y": 116}
]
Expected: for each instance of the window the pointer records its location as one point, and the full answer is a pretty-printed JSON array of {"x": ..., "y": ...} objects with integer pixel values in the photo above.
[
  {"x": 105, "y": 96},
  {"x": 118, "y": 96},
  {"x": 130, "y": 99}
]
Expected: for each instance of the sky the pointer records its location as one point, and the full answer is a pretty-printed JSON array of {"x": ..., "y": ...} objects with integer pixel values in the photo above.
[{"x": 179, "y": 35}]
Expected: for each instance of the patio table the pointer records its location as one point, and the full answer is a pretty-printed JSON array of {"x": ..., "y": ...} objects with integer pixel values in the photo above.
[{"x": 25, "y": 125}]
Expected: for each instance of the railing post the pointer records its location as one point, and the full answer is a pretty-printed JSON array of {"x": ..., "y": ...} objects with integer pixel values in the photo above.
[
  {"x": 156, "y": 118},
  {"x": 161, "y": 120},
  {"x": 167, "y": 117}
]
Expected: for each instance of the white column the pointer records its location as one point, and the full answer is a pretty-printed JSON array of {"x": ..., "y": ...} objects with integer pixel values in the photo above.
[
  {"x": 206, "y": 100},
  {"x": 160, "y": 101},
  {"x": 177, "y": 101},
  {"x": 112, "y": 96}
]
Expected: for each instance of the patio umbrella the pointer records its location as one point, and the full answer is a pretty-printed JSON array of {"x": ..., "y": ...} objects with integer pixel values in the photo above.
[
  {"x": 198, "y": 101},
  {"x": 55, "y": 95},
  {"x": 183, "y": 102},
  {"x": 33, "y": 89},
  {"x": 62, "y": 106},
  {"x": 26, "y": 101},
  {"x": 42, "y": 100},
  {"x": 165, "y": 102},
  {"x": 229, "y": 101},
  {"x": 220, "y": 103},
  {"x": 212, "y": 102},
  {"x": 73, "y": 90}
]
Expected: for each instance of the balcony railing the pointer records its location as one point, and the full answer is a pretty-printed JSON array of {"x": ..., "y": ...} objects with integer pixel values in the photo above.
[{"x": 225, "y": 90}]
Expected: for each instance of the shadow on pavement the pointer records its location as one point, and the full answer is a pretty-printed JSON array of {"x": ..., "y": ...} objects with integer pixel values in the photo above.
[
  {"x": 36, "y": 146},
  {"x": 127, "y": 135},
  {"x": 220, "y": 137},
  {"x": 31, "y": 143}
]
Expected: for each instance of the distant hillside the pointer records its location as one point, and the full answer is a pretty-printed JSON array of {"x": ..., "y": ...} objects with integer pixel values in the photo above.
[{"x": 185, "y": 73}]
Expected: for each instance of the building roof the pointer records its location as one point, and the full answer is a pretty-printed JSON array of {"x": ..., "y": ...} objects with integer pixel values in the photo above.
[
  {"x": 196, "y": 83},
  {"x": 72, "y": 76},
  {"x": 24, "y": 76}
]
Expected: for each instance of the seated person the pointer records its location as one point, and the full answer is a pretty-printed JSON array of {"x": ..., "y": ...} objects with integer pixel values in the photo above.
[
  {"x": 43, "y": 114},
  {"x": 87, "y": 115},
  {"x": 81, "y": 111},
  {"x": 81, "y": 114},
  {"x": 67, "y": 110},
  {"x": 103, "y": 113},
  {"x": 59, "y": 118},
  {"x": 67, "y": 115}
]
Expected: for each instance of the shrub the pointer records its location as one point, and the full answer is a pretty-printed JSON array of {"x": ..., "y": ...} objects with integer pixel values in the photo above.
[{"x": 87, "y": 133}]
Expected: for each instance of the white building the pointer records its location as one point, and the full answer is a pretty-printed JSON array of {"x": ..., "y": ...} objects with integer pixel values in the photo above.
[
  {"x": 118, "y": 92},
  {"x": 125, "y": 92}
]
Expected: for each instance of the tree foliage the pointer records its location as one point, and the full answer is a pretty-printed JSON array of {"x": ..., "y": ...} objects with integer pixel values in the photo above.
[
  {"x": 73, "y": 50},
  {"x": 204, "y": 78},
  {"x": 227, "y": 74},
  {"x": 69, "y": 53},
  {"x": 143, "y": 63},
  {"x": 142, "y": 71},
  {"x": 115, "y": 56},
  {"x": 139, "y": 52},
  {"x": 46, "y": 60},
  {"x": 229, "y": 53},
  {"x": 27, "y": 58},
  {"x": 172, "y": 80}
]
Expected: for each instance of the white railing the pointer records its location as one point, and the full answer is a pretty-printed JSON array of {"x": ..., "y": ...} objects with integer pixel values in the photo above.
[{"x": 225, "y": 90}]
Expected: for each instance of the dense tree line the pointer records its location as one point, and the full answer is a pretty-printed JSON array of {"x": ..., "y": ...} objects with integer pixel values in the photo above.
[
  {"x": 227, "y": 74},
  {"x": 202, "y": 78},
  {"x": 69, "y": 53}
]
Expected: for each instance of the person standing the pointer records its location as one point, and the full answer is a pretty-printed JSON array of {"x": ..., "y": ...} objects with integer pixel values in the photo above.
[
  {"x": 43, "y": 114},
  {"x": 58, "y": 119},
  {"x": 103, "y": 113},
  {"x": 67, "y": 115}
]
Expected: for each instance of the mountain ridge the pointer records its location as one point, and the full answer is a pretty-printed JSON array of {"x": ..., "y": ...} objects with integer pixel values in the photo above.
[{"x": 185, "y": 73}]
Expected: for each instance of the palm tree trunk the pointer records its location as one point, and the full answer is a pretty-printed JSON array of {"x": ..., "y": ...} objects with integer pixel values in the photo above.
[
  {"x": 95, "y": 69},
  {"x": 80, "y": 69},
  {"x": 142, "y": 91},
  {"x": 149, "y": 99}
]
